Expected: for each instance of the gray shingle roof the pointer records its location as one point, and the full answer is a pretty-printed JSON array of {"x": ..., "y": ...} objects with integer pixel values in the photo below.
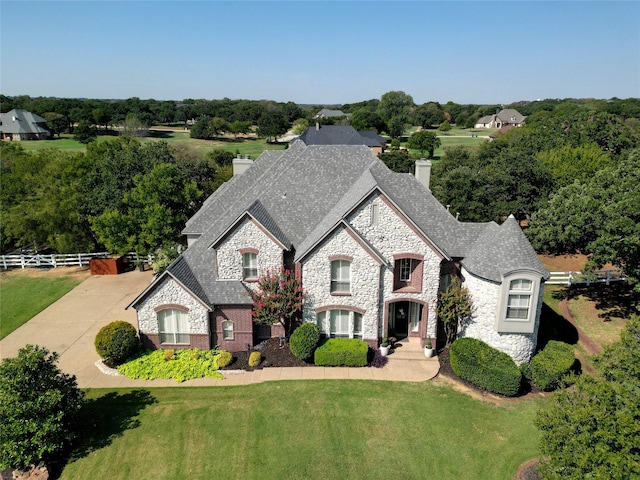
[
  {"x": 301, "y": 194},
  {"x": 337, "y": 135},
  {"x": 21, "y": 121}
]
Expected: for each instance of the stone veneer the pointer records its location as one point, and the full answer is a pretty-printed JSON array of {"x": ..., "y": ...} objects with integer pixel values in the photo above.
[
  {"x": 371, "y": 284},
  {"x": 247, "y": 235},
  {"x": 519, "y": 346},
  {"x": 169, "y": 292}
]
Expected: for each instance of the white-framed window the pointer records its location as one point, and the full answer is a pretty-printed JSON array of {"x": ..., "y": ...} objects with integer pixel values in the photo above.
[
  {"x": 227, "y": 330},
  {"x": 415, "y": 309},
  {"x": 405, "y": 269},
  {"x": 339, "y": 323},
  {"x": 340, "y": 276},
  {"x": 320, "y": 321},
  {"x": 518, "y": 297},
  {"x": 173, "y": 326},
  {"x": 357, "y": 325},
  {"x": 249, "y": 266}
]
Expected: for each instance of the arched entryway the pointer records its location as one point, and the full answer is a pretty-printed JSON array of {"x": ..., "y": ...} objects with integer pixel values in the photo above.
[{"x": 405, "y": 318}]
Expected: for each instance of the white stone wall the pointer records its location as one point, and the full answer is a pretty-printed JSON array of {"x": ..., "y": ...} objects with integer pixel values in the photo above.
[
  {"x": 485, "y": 295},
  {"x": 169, "y": 292},
  {"x": 365, "y": 275},
  {"x": 392, "y": 236},
  {"x": 247, "y": 235}
]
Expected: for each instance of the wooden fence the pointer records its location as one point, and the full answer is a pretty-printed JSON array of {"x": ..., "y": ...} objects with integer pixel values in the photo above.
[
  {"x": 56, "y": 260},
  {"x": 575, "y": 278}
]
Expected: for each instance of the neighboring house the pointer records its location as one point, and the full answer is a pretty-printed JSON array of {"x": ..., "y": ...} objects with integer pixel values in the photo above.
[
  {"x": 508, "y": 116},
  {"x": 22, "y": 125},
  {"x": 342, "y": 135},
  {"x": 327, "y": 112},
  {"x": 502, "y": 130},
  {"x": 372, "y": 247}
]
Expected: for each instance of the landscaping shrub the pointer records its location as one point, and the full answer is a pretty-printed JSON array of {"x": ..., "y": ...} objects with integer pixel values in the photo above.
[
  {"x": 224, "y": 358},
  {"x": 181, "y": 365},
  {"x": 117, "y": 341},
  {"x": 304, "y": 340},
  {"x": 484, "y": 366},
  {"x": 377, "y": 359},
  {"x": 254, "y": 359},
  {"x": 350, "y": 352},
  {"x": 168, "y": 354},
  {"x": 550, "y": 365}
]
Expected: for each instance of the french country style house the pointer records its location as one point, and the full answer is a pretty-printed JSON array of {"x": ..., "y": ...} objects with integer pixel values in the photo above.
[{"x": 373, "y": 249}]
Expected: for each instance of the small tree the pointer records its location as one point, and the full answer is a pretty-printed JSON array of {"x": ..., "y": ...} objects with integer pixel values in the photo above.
[
  {"x": 278, "y": 299},
  {"x": 424, "y": 141},
  {"x": 454, "y": 306},
  {"x": 37, "y": 406}
]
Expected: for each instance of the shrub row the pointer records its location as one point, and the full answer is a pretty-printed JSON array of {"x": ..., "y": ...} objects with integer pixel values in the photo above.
[
  {"x": 550, "y": 365},
  {"x": 484, "y": 366},
  {"x": 350, "y": 352},
  {"x": 304, "y": 340}
]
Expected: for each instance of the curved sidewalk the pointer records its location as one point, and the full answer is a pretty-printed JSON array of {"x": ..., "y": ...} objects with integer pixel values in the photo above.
[{"x": 70, "y": 325}]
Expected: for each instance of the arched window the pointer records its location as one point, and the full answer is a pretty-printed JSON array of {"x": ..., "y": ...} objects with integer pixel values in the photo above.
[
  {"x": 340, "y": 276},
  {"x": 173, "y": 326},
  {"x": 518, "y": 302}
]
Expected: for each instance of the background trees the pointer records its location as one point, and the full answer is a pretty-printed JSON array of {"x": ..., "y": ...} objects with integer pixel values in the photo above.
[{"x": 424, "y": 141}]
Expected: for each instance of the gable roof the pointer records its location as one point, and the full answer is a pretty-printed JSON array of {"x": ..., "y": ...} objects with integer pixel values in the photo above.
[
  {"x": 328, "y": 112},
  {"x": 21, "y": 121},
  {"x": 301, "y": 195},
  {"x": 337, "y": 135},
  {"x": 510, "y": 115}
]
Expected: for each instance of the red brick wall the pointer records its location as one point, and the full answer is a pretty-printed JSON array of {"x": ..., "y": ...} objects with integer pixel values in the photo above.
[
  {"x": 240, "y": 316},
  {"x": 151, "y": 341}
]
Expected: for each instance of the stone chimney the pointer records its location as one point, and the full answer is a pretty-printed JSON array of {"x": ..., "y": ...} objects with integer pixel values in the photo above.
[
  {"x": 241, "y": 165},
  {"x": 423, "y": 172}
]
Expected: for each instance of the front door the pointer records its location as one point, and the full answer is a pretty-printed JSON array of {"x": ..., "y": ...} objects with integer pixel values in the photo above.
[{"x": 404, "y": 318}]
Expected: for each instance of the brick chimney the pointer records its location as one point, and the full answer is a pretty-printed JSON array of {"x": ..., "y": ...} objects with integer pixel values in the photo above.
[{"x": 423, "y": 172}]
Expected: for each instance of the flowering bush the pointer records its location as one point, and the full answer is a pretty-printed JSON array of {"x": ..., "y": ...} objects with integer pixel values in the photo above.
[{"x": 278, "y": 299}]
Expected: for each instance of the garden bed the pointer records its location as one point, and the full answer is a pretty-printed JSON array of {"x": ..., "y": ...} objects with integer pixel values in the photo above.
[{"x": 272, "y": 356}]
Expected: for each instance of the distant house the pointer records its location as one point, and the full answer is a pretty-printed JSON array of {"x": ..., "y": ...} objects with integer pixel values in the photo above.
[
  {"x": 507, "y": 116},
  {"x": 22, "y": 125},
  {"x": 343, "y": 135},
  {"x": 499, "y": 132},
  {"x": 372, "y": 248},
  {"x": 326, "y": 113}
]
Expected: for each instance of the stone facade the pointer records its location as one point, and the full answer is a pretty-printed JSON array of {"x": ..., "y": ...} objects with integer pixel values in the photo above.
[
  {"x": 485, "y": 295},
  {"x": 247, "y": 235},
  {"x": 170, "y": 293}
]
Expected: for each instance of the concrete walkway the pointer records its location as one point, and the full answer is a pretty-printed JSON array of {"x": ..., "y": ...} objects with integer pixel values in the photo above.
[{"x": 70, "y": 326}]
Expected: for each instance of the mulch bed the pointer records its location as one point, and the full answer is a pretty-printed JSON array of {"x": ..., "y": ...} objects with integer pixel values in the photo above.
[{"x": 272, "y": 356}]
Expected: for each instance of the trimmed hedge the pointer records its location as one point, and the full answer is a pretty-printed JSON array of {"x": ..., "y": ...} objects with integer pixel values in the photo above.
[
  {"x": 349, "y": 352},
  {"x": 304, "y": 340},
  {"x": 254, "y": 359},
  {"x": 550, "y": 365},
  {"x": 484, "y": 366},
  {"x": 117, "y": 341}
]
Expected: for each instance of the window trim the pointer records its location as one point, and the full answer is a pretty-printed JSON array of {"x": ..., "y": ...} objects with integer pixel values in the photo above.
[
  {"x": 222, "y": 325},
  {"x": 323, "y": 320},
  {"x": 249, "y": 257},
  {"x": 337, "y": 282},
  {"x": 509, "y": 291},
  {"x": 162, "y": 325}
]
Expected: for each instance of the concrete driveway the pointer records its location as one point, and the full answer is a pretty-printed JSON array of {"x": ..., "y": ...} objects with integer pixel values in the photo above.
[{"x": 71, "y": 324}]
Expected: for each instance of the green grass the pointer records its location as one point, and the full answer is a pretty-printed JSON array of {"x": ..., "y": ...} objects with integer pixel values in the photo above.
[
  {"x": 302, "y": 430},
  {"x": 21, "y": 298}
]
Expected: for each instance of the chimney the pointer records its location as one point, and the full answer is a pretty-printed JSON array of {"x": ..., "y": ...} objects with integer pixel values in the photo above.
[
  {"x": 317, "y": 126},
  {"x": 423, "y": 172},
  {"x": 241, "y": 165}
]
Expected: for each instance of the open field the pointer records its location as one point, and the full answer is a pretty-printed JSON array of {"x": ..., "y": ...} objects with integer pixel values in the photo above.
[
  {"x": 304, "y": 429},
  {"x": 25, "y": 293}
]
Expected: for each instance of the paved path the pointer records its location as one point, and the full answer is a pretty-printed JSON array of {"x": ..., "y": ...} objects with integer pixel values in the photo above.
[{"x": 70, "y": 326}]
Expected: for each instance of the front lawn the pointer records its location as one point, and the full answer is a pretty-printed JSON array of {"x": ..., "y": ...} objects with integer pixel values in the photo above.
[
  {"x": 344, "y": 429},
  {"x": 22, "y": 297}
]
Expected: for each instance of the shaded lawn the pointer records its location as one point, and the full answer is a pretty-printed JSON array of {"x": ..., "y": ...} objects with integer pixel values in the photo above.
[
  {"x": 22, "y": 297},
  {"x": 303, "y": 429}
]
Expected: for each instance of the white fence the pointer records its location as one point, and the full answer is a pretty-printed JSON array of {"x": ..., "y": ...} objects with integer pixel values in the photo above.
[
  {"x": 574, "y": 278},
  {"x": 56, "y": 260}
]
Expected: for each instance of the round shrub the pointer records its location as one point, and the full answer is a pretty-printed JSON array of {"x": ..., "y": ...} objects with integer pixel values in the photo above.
[
  {"x": 117, "y": 341},
  {"x": 550, "y": 365},
  {"x": 224, "y": 358},
  {"x": 254, "y": 359},
  {"x": 304, "y": 340},
  {"x": 484, "y": 366}
]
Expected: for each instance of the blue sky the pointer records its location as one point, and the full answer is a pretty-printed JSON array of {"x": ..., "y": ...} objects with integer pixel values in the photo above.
[{"x": 327, "y": 52}]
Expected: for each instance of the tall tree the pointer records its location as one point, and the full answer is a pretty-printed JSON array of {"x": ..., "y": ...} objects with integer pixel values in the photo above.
[
  {"x": 395, "y": 104},
  {"x": 272, "y": 124},
  {"x": 424, "y": 141}
]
